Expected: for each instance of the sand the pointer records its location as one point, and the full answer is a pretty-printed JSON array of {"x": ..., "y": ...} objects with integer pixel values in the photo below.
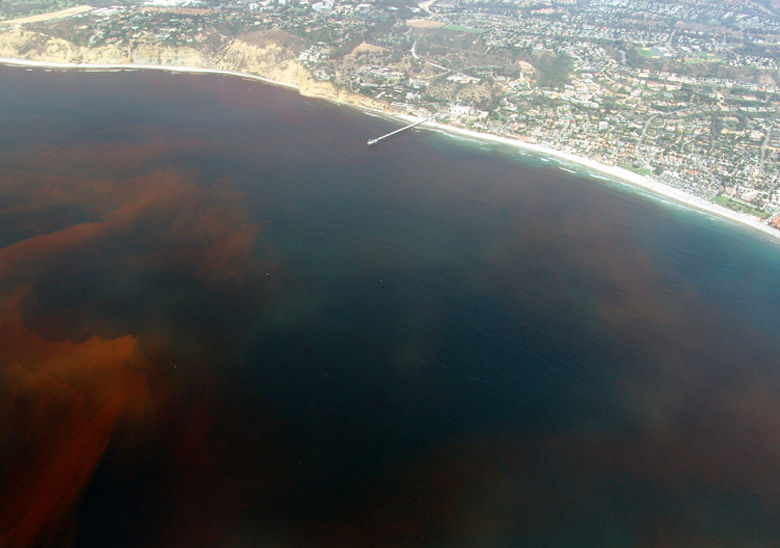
[{"x": 425, "y": 24}]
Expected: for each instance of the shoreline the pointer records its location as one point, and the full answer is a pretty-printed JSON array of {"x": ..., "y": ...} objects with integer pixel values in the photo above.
[
  {"x": 613, "y": 173},
  {"x": 99, "y": 67}
]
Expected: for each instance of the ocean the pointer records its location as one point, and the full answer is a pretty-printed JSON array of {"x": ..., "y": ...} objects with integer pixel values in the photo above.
[{"x": 226, "y": 321}]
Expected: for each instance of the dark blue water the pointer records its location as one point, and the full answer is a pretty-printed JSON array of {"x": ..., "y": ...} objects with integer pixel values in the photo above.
[{"x": 431, "y": 342}]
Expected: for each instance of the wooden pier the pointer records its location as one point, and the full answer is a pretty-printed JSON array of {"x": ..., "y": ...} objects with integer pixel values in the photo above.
[{"x": 372, "y": 142}]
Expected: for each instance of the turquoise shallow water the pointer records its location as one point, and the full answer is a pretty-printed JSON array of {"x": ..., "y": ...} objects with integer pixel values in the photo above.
[{"x": 429, "y": 342}]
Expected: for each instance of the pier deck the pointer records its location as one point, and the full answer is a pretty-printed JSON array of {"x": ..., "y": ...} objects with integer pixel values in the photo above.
[{"x": 372, "y": 142}]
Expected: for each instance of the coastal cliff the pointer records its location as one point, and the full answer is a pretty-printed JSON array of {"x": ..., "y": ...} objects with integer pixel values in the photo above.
[
  {"x": 277, "y": 63},
  {"x": 237, "y": 55},
  {"x": 36, "y": 46}
]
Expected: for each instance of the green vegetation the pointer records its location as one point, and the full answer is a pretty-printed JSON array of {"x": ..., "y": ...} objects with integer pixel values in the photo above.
[
  {"x": 646, "y": 171},
  {"x": 459, "y": 28},
  {"x": 740, "y": 206},
  {"x": 555, "y": 69},
  {"x": 703, "y": 58},
  {"x": 647, "y": 52}
]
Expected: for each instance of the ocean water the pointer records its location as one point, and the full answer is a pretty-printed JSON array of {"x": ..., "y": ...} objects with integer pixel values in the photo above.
[{"x": 226, "y": 321}]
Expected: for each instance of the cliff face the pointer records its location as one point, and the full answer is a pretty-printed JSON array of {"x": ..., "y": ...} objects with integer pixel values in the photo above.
[
  {"x": 25, "y": 44},
  {"x": 22, "y": 44},
  {"x": 32, "y": 45},
  {"x": 269, "y": 61},
  {"x": 278, "y": 64}
]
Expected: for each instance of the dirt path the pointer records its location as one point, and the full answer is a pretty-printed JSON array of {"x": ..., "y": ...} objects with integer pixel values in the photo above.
[{"x": 69, "y": 12}]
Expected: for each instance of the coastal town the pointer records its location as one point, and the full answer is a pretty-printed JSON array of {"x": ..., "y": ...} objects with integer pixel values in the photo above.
[{"x": 686, "y": 93}]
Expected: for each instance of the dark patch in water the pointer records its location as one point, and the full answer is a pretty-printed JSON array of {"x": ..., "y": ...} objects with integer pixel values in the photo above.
[{"x": 257, "y": 330}]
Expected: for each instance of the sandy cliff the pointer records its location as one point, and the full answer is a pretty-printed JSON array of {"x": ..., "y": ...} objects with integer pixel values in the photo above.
[
  {"x": 278, "y": 64},
  {"x": 33, "y": 45},
  {"x": 26, "y": 44},
  {"x": 270, "y": 61}
]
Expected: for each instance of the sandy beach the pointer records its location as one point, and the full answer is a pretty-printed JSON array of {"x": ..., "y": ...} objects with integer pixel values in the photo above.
[
  {"x": 611, "y": 172},
  {"x": 615, "y": 173},
  {"x": 165, "y": 68}
]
